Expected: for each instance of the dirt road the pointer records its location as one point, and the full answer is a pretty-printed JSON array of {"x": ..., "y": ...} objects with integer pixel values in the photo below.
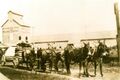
[{"x": 110, "y": 73}]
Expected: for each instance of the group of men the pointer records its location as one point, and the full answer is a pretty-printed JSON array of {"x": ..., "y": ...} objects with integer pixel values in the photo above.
[
  {"x": 44, "y": 57},
  {"x": 53, "y": 56}
]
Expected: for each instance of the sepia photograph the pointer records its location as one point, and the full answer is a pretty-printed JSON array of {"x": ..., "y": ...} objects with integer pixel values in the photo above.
[{"x": 59, "y": 40}]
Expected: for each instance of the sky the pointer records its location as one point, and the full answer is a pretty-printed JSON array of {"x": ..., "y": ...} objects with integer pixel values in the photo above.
[{"x": 62, "y": 16}]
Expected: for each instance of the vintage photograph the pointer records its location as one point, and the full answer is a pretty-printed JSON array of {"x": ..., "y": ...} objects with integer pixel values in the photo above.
[{"x": 59, "y": 40}]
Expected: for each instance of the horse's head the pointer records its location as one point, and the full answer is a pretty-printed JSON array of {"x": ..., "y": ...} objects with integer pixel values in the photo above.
[
  {"x": 70, "y": 47},
  {"x": 86, "y": 45},
  {"x": 102, "y": 49}
]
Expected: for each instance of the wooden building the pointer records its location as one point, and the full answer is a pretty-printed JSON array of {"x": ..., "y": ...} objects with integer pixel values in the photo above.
[{"x": 14, "y": 30}]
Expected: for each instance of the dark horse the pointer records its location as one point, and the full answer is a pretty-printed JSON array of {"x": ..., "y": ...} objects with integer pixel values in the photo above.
[
  {"x": 50, "y": 58},
  {"x": 77, "y": 55},
  {"x": 97, "y": 57},
  {"x": 80, "y": 57},
  {"x": 29, "y": 58}
]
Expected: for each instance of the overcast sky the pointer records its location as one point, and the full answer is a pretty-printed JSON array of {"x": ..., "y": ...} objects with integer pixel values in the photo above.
[{"x": 62, "y": 16}]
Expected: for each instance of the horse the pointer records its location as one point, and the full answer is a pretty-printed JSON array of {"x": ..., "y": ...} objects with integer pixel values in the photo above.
[
  {"x": 46, "y": 58},
  {"x": 29, "y": 58},
  {"x": 97, "y": 57},
  {"x": 76, "y": 55},
  {"x": 52, "y": 56},
  {"x": 68, "y": 56},
  {"x": 80, "y": 57},
  {"x": 59, "y": 61}
]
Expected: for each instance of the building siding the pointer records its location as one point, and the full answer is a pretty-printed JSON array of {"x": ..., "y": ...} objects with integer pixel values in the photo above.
[{"x": 12, "y": 30}]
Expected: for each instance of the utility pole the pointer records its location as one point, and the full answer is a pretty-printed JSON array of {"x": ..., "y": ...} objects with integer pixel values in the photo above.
[{"x": 116, "y": 10}]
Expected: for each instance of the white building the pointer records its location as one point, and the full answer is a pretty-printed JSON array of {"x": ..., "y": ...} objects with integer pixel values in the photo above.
[{"x": 14, "y": 29}]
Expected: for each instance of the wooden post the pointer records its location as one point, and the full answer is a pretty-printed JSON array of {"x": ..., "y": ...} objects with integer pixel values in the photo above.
[{"x": 116, "y": 10}]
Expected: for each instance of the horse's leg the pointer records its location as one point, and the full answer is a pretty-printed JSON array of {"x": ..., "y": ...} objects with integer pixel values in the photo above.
[
  {"x": 0, "y": 59},
  {"x": 87, "y": 74},
  {"x": 43, "y": 66},
  {"x": 84, "y": 68},
  {"x": 55, "y": 65},
  {"x": 27, "y": 63},
  {"x": 30, "y": 64},
  {"x": 95, "y": 67},
  {"x": 38, "y": 63},
  {"x": 67, "y": 66},
  {"x": 80, "y": 69},
  {"x": 101, "y": 67},
  {"x": 62, "y": 65},
  {"x": 50, "y": 64}
]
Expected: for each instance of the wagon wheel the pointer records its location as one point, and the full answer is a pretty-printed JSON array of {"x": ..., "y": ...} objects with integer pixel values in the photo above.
[
  {"x": 32, "y": 64},
  {"x": 15, "y": 62},
  {"x": 90, "y": 68},
  {"x": 61, "y": 66}
]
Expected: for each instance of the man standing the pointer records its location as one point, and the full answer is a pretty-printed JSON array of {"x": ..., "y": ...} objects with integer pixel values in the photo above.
[
  {"x": 39, "y": 55},
  {"x": 68, "y": 55}
]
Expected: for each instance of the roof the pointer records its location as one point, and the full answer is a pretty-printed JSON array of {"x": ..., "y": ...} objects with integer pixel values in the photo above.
[
  {"x": 15, "y": 20},
  {"x": 16, "y": 23},
  {"x": 4, "y": 23},
  {"x": 15, "y": 13},
  {"x": 20, "y": 24}
]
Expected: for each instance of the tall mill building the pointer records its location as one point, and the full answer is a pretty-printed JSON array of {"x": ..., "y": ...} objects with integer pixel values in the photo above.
[{"x": 14, "y": 30}]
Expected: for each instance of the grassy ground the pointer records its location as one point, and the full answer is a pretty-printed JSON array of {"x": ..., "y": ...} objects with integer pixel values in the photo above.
[
  {"x": 15, "y": 74},
  {"x": 18, "y": 75}
]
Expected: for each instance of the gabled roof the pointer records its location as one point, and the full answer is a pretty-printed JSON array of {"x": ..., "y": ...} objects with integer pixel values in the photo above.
[
  {"x": 15, "y": 13},
  {"x": 4, "y": 23},
  {"x": 20, "y": 24},
  {"x": 16, "y": 23}
]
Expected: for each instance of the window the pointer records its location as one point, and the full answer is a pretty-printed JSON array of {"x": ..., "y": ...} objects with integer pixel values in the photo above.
[
  {"x": 19, "y": 37},
  {"x": 26, "y": 38}
]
